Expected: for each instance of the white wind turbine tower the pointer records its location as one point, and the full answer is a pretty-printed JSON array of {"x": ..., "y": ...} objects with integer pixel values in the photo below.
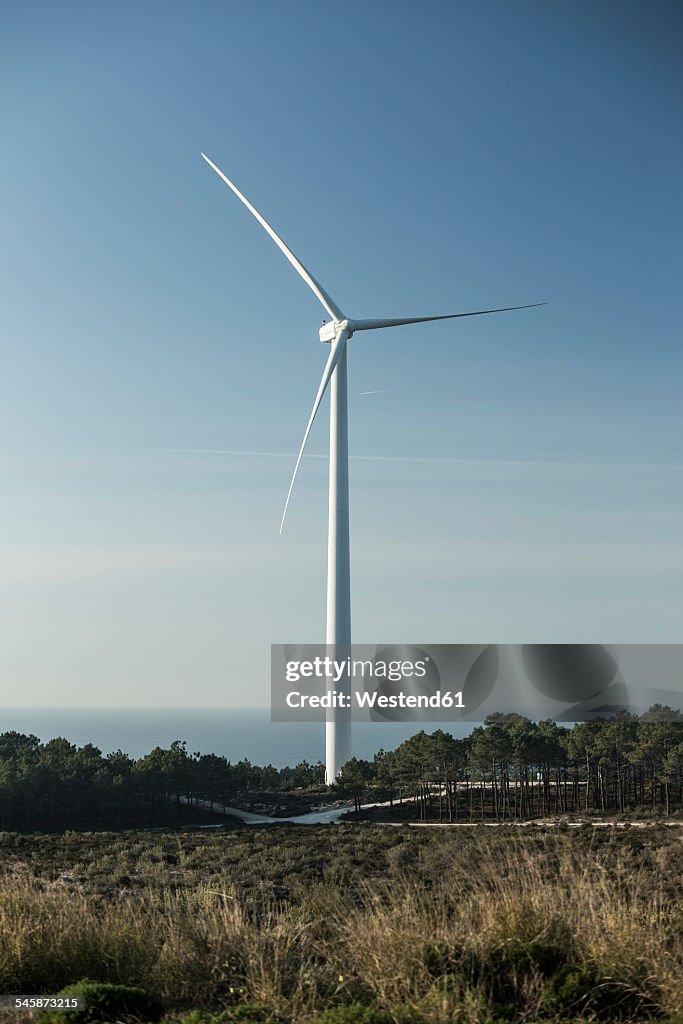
[{"x": 336, "y": 333}]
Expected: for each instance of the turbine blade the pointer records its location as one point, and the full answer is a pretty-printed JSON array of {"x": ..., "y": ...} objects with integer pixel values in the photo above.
[
  {"x": 373, "y": 325},
  {"x": 328, "y": 302},
  {"x": 335, "y": 355}
]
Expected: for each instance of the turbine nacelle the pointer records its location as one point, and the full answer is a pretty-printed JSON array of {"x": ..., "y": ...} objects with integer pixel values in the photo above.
[{"x": 327, "y": 332}]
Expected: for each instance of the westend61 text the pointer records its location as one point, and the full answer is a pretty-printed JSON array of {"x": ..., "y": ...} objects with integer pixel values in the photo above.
[{"x": 337, "y": 699}]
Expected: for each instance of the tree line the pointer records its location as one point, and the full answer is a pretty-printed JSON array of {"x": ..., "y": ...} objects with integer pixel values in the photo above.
[
  {"x": 509, "y": 768},
  {"x": 60, "y": 785}
]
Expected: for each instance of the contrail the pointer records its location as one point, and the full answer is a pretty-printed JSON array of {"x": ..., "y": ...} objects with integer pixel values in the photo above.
[
  {"x": 378, "y": 391},
  {"x": 426, "y": 460}
]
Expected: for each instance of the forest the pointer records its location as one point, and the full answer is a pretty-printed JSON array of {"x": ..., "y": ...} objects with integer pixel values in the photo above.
[{"x": 507, "y": 769}]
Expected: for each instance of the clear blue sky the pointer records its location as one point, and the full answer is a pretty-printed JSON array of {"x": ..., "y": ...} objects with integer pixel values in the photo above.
[{"x": 525, "y": 479}]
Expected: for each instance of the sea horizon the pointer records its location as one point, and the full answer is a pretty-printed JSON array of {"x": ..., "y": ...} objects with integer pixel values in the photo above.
[{"x": 235, "y": 733}]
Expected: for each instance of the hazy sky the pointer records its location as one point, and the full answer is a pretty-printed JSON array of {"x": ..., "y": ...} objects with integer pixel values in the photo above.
[{"x": 516, "y": 477}]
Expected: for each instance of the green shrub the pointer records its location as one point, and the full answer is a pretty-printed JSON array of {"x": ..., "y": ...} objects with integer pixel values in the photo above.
[
  {"x": 245, "y": 1013},
  {"x": 105, "y": 1002},
  {"x": 568, "y": 989},
  {"x": 354, "y": 1014},
  {"x": 508, "y": 966},
  {"x": 581, "y": 989},
  {"x": 438, "y": 959}
]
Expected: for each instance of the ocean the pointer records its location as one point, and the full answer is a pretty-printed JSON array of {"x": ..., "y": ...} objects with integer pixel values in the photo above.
[{"x": 236, "y": 733}]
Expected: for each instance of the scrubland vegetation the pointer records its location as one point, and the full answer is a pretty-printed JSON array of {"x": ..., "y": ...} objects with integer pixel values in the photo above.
[
  {"x": 356, "y": 923},
  {"x": 361, "y": 924}
]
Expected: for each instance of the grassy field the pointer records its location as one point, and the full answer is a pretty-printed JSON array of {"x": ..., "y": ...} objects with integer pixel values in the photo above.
[{"x": 285, "y": 922}]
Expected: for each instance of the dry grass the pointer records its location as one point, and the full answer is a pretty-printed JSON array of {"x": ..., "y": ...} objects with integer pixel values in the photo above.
[
  {"x": 468, "y": 946},
  {"x": 618, "y": 926}
]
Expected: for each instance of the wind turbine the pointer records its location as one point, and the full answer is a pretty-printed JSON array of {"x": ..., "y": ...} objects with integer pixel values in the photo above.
[{"x": 336, "y": 333}]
